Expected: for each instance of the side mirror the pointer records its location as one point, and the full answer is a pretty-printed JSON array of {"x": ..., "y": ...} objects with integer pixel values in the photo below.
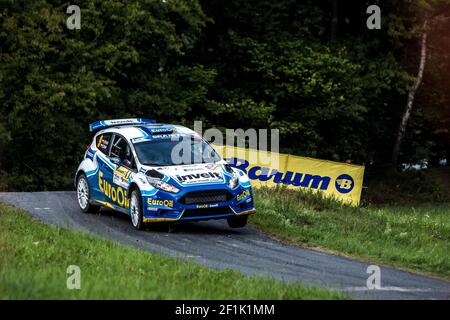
[{"x": 115, "y": 160}]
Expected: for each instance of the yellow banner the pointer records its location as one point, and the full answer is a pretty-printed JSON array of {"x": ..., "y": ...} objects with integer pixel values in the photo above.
[{"x": 339, "y": 180}]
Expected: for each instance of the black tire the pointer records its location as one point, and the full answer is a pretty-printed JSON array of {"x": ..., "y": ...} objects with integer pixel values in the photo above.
[
  {"x": 86, "y": 207},
  {"x": 137, "y": 217},
  {"x": 237, "y": 222}
]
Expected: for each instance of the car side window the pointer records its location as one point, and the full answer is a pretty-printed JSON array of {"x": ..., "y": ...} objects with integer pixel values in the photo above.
[
  {"x": 133, "y": 164},
  {"x": 122, "y": 150},
  {"x": 103, "y": 141}
]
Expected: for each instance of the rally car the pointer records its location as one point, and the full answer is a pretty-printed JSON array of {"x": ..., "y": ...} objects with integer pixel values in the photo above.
[{"x": 160, "y": 172}]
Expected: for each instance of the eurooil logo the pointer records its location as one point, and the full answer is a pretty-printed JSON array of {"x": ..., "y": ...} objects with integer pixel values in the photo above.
[{"x": 344, "y": 183}]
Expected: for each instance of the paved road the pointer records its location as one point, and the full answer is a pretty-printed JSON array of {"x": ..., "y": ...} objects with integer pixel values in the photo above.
[{"x": 214, "y": 244}]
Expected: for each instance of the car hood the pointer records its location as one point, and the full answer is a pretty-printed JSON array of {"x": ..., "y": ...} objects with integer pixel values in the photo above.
[{"x": 194, "y": 174}]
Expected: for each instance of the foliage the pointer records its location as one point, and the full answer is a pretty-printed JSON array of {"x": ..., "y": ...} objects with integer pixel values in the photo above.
[
  {"x": 125, "y": 61},
  {"x": 408, "y": 187},
  {"x": 258, "y": 63}
]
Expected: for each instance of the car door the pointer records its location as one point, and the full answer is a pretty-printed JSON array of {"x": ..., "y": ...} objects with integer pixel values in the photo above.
[
  {"x": 124, "y": 165},
  {"x": 100, "y": 185}
]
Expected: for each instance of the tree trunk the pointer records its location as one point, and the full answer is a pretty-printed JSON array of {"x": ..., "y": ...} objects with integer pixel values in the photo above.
[{"x": 411, "y": 95}]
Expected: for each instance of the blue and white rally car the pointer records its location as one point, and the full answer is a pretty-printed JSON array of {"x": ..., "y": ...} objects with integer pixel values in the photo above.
[{"x": 130, "y": 167}]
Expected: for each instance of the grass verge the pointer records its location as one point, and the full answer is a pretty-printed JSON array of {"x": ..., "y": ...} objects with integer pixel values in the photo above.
[
  {"x": 410, "y": 237},
  {"x": 34, "y": 259}
]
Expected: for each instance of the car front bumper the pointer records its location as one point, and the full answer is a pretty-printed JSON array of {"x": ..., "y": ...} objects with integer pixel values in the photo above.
[{"x": 208, "y": 203}]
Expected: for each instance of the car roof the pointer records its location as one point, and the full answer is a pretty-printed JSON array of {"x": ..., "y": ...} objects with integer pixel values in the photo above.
[{"x": 146, "y": 132}]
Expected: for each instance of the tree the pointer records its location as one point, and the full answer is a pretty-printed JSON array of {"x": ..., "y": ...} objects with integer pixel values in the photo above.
[
  {"x": 230, "y": 63},
  {"x": 427, "y": 13},
  {"x": 411, "y": 95},
  {"x": 127, "y": 60}
]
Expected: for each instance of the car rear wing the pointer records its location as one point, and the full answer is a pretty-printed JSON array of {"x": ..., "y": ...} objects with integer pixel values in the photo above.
[{"x": 100, "y": 125}]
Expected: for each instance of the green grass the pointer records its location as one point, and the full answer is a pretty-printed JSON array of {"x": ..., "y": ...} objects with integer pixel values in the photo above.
[
  {"x": 416, "y": 238},
  {"x": 34, "y": 258}
]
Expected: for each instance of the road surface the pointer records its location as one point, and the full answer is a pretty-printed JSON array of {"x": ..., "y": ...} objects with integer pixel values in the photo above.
[{"x": 215, "y": 245}]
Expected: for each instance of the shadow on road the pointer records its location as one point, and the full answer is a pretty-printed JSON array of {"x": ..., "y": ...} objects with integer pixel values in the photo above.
[{"x": 208, "y": 227}]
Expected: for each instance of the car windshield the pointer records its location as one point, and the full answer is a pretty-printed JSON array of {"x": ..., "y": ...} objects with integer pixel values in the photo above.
[{"x": 167, "y": 152}]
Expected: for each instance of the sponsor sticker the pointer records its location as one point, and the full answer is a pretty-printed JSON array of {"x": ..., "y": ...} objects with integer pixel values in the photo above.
[
  {"x": 205, "y": 206},
  {"x": 117, "y": 195},
  {"x": 121, "y": 177},
  {"x": 243, "y": 195},
  {"x": 160, "y": 202},
  {"x": 199, "y": 177}
]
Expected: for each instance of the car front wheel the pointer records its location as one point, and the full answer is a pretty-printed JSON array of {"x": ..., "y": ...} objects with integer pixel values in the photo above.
[
  {"x": 237, "y": 222},
  {"x": 84, "y": 195},
  {"x": 136, "y": 210}
]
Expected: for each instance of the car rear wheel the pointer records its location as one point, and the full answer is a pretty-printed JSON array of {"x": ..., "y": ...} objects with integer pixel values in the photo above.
[
  {"x": 84, "y": 195},
  {"x": 136, "y": 210},
  {"x": 237, "y": 222}
]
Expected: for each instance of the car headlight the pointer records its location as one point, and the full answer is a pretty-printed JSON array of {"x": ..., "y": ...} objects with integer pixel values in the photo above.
[
  {"x": 159, "y": 184},
  {"x": 234, "y": 181}
]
